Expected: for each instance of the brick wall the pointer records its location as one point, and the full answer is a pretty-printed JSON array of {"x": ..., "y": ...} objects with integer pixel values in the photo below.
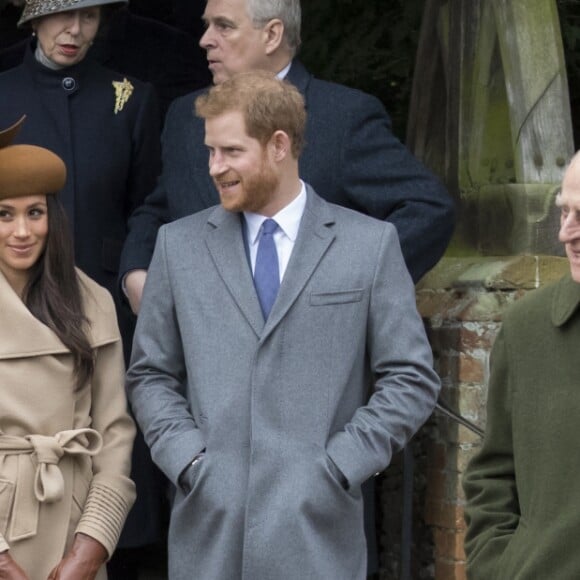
[{"x": 461, "y": 339}]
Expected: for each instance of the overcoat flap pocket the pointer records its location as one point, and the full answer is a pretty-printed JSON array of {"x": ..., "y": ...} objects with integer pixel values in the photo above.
[
  {"x": 6, "y": 499},
  {"x": 342, "y": 297}
]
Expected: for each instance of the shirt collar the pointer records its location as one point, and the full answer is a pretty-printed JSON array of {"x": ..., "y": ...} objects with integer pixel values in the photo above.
[
  {"x": 288, "y": 218},
  {"x": 282, "y": 74}
]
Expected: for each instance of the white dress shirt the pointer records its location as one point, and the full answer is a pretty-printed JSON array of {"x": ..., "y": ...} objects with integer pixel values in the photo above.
[
  {"x": 282, "y": 74},
  {"x": 288, "y": 220}
]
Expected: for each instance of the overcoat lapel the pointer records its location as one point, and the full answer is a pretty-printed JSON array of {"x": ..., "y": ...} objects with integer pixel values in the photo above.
[
  {"x": 566, "y": 300},
  {"x": 226, "y": 247},
  {"x": 314, "y": 239},
  {"x": 21, "y": 334}
]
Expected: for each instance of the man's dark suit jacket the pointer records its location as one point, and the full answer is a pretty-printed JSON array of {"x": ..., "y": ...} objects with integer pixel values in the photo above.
[{"x": 351, "y": 156}]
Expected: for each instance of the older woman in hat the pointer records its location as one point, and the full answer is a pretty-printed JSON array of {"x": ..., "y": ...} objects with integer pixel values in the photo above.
[
  {"x": 104, "y": 126},
  {"x": 65, "y": 434}
]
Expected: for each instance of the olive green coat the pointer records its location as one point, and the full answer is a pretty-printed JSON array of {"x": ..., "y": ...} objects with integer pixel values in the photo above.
[
  {"x": 64, "y": 452},
  {"x": 523, "y": 489}
]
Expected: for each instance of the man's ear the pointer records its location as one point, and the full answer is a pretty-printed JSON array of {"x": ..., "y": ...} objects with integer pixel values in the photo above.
[
  {"x": 273, "y": 34},
  {"x": 280, "y": 145}
]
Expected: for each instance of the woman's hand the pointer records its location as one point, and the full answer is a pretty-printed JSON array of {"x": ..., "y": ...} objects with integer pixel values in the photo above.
[
  {"x": 9, "y": 569},
  {"x": 82, "y": 561}
]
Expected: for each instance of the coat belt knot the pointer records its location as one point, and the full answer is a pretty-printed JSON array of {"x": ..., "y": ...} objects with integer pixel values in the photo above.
[{"x": 39, "y": 456}]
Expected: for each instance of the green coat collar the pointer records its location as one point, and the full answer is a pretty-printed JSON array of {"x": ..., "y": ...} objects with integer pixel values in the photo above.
[{"x": 565, "y": 301}]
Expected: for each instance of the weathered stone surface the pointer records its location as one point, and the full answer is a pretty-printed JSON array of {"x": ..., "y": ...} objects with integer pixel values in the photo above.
[
  {"x": 516, "y": 218},
  {"x": 490, "y": 273},
  {"x": 537, "y": 87}
]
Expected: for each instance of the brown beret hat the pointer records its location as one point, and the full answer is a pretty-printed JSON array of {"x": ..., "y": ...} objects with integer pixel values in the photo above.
[{"x": 28, "y": 169}]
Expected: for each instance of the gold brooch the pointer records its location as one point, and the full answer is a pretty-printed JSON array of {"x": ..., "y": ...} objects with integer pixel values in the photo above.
[{"x": 123, "y": 92}]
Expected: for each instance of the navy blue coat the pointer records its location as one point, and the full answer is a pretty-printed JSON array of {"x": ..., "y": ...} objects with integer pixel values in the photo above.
[
  {"x": 112, "y": 159},
  {"x": 112, "y": 162},
  {"x": 351, "y": 158},
  {"x": 144, "y": 48}
]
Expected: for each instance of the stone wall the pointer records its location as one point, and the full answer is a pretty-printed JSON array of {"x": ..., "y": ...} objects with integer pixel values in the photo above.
[{"x": 462, "y": 302}]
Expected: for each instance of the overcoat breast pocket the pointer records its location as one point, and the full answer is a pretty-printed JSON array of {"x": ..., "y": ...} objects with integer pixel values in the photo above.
[{"x": 334, "y": 298}]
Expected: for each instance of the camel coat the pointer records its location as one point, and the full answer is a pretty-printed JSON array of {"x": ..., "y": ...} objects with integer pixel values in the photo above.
[{"x": 64, "y": 453}]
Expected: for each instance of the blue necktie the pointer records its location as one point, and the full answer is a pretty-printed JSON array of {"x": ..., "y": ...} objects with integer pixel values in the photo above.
[{"x": 266, "y": 271}]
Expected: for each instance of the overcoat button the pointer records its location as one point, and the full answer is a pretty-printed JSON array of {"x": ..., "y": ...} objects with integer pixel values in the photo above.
[{"x": 68, "y": 84}]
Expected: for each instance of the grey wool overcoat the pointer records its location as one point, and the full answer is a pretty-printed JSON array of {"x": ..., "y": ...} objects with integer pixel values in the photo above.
[{"x": 282, "y": 408}]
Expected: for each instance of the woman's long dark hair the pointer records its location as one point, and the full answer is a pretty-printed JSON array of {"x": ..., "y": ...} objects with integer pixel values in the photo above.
[{"x": 53, "y": 293}]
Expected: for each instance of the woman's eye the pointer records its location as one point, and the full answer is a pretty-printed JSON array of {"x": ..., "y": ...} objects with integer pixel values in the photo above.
[
  {"x": 90, "y": 15},
  {"x": 36, "y": 212}
]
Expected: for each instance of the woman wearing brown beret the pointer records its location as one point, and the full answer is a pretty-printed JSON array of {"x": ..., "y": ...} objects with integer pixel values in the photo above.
[
  {"x": 65, "y": 435},
  {"x": 105, "y": 127}
]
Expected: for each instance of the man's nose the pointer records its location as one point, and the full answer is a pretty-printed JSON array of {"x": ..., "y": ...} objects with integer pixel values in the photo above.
[
  {"x": 207, "y": 39},
  {"x": 216, "y": 164}
]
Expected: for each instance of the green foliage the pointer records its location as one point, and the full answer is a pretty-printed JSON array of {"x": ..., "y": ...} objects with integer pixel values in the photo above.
[
  {"x": 569, "y": 11},
  {"x": 369, "y": 45}
]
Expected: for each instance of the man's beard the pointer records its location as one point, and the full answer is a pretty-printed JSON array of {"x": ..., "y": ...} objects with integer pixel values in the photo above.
[{"x": 258, "y": 191}]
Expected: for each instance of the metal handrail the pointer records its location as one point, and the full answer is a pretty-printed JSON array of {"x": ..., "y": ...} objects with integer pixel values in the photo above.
[{"x": 445, "y": 410}]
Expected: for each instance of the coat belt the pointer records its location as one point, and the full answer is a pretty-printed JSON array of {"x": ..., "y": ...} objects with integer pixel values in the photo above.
[{"x": 38, "y": 462}]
